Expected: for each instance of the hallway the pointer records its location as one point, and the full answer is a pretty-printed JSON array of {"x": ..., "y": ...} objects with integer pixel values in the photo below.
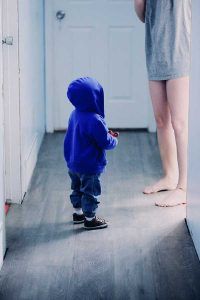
[{"x": 146, "y": 252}]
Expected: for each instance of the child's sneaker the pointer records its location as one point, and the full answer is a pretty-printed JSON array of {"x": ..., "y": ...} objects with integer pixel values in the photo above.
[
  {"x": 78, "y": 219},
  {"x": 95, "y": 223}
]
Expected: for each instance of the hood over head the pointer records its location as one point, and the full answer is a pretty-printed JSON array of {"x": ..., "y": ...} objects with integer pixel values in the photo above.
[{"x": 87, "y": 95}]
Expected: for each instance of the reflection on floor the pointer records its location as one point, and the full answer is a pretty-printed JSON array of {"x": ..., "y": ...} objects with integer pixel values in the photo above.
[{"x": 146, "y": 253}]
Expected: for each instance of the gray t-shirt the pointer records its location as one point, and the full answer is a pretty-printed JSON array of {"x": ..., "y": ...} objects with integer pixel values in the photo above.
[{"x": 168, "y": 24}]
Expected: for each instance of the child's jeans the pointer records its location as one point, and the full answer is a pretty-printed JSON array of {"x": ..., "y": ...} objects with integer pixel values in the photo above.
[{"x": 85, "y": 190}]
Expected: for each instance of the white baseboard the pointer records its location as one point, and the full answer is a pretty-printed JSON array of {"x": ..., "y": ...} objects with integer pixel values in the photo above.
[{"x": 30, "y": 162}]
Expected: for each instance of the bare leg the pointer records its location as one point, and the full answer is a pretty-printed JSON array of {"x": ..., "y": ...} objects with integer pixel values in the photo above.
[
  {"x": 178, "y": 99},
  {"x": 166, "y": 138}
]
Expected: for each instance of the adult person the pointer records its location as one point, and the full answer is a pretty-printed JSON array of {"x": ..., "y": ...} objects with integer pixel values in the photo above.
[{"x": 167, "y": 24}]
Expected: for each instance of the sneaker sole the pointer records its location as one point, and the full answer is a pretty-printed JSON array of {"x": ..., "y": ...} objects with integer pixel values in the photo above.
[
  {"x": 97, "y": 227},
  {"x": 78, "y": 222}
]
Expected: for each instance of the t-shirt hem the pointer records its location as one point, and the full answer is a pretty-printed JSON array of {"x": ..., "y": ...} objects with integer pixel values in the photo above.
[{"x": 167, "y": 77}]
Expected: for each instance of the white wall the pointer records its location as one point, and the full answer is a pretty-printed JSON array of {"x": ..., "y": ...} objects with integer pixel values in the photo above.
[
  {"x": 193, "y": 206},
  {"x": 32, "y": 92},
  {"x": 2, "y": 215}
]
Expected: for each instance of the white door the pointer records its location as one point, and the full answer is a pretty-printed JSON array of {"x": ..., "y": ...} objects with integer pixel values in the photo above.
[
  {"x": 13, "y": 183},
  {"x": 102, "y": 39},
  {"x": 2, "y": 195}
]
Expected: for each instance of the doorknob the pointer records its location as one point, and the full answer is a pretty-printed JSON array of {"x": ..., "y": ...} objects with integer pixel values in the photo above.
[
  {"x": 8, "y": 41},
  {"x": 60, "y": 15}
]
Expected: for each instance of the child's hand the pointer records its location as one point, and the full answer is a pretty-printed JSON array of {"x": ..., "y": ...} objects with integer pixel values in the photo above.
[{"x": 114, "y": 134}]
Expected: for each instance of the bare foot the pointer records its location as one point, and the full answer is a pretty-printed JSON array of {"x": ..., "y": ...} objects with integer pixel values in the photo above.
[
  {"x": 176, "y": 197},
  {"x": 164, "y": 184}
]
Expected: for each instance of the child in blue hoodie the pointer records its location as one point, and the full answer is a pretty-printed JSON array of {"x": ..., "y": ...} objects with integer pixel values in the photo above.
[{"x": 86, "y": 140}]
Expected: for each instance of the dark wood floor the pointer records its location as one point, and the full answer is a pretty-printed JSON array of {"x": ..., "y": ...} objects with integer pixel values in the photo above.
[{"x": 146, "y": 253}]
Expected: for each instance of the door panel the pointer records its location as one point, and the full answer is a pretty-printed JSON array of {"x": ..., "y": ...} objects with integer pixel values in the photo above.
[{"x": 102, "y": 39}]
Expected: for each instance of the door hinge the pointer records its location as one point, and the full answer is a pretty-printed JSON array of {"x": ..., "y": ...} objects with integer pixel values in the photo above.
[{"x": 8, "y": 41}]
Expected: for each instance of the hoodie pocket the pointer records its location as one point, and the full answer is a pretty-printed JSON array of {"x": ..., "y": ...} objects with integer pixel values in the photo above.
[{"x": 102, "y": 158}]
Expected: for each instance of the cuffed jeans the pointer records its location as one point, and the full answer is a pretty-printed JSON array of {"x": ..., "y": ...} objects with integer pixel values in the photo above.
[{"x": 85, "y": 190}]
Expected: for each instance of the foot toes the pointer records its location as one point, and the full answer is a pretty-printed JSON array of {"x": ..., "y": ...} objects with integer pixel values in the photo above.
[
  {"x": 149, "y": 190},
  {"x": 159, "y": 204}
]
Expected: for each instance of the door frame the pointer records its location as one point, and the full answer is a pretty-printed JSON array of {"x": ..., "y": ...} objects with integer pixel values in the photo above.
[
  {"x": 48, "y": 9},
  {"x": 2, "y": 165},
  {"x": 11, "y": 91},
  {"x": 49, "y": 64}
]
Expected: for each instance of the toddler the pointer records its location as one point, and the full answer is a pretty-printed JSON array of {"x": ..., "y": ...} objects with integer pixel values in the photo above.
[{"x": 86, "y": 140}]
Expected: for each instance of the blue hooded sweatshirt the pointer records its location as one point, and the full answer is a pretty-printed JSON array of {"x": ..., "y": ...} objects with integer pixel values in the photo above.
[{"x": 87, "y": 135}]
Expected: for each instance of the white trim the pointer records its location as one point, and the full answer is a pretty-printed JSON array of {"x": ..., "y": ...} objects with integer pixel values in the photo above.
[
  {"x": 30, "y": 161},
  {"x": 13, "y": 188},
  {"x": 49, "y": 56},
  {"x": 2, "y": 170}
]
